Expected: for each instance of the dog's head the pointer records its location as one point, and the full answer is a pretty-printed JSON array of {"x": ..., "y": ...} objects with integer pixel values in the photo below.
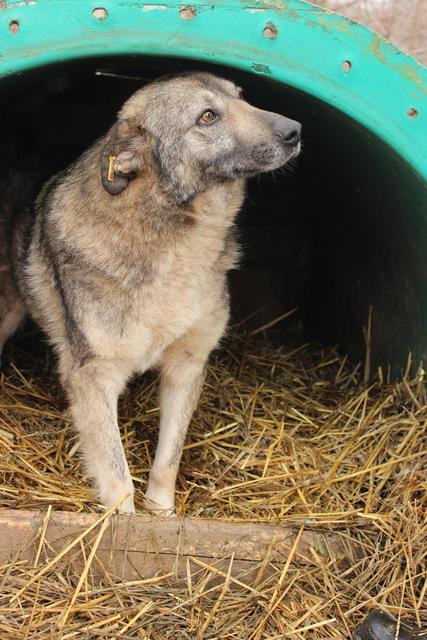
[{"x": 198, "y": 130}]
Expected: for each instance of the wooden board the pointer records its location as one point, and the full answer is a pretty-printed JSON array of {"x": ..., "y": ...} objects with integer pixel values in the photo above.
[{"x": 135, "y": 547}]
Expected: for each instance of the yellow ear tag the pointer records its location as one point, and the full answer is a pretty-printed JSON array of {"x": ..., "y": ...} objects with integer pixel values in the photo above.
[{"x": 110, "y": 174}]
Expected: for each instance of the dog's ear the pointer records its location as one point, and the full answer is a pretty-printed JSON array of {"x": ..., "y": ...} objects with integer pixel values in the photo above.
[{"x": 121, "y": 157}]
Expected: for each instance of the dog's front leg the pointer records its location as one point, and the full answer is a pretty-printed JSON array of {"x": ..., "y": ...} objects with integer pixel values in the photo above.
[
  {"x": 182, "y": 375},
  {"x": 93, "y": 391}
]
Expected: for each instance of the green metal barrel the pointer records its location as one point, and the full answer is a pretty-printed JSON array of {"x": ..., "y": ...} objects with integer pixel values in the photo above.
[{"x": 357, "y": 204}]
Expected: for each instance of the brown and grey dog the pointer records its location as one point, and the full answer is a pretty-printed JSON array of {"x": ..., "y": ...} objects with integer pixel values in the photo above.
[{"x": 123, "y": 259}]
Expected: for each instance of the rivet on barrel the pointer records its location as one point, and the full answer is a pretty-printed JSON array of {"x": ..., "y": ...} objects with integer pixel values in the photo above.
[
  {"x": 187, "y": 13},
  {"x": 412, "y": 113},
  {"x": 100, "y": 13},
  {"x": 14, "y": 26},
  {"x": 346, "y": 65},
  {"x": 270, "y": 31}
]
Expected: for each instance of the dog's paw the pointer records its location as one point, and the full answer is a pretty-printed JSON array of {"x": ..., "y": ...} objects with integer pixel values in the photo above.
[
  {"x": 156, "y": 509},
  {"x": 127, "y": 506},
  {"x": 159, "y": 498},
  {"x": 111, "y": 494}
]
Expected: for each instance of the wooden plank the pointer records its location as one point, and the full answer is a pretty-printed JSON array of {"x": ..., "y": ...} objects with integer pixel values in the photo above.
[{"x": 142, "y": 546}]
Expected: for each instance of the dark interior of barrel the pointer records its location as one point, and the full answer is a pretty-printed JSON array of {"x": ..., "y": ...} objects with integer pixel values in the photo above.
[{"x": 337, "y": 236}]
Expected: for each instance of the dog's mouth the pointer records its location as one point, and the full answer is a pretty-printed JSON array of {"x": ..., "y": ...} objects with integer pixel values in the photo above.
[
  {"x": 251, "y": 169},
  {"x": 248, "y": 160},
  {"x": 292, "y": 154},
  {"x": 275, "y": 158}
]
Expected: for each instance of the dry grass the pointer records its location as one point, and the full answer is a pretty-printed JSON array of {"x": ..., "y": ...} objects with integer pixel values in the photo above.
[{"x": 284, "y": 435}]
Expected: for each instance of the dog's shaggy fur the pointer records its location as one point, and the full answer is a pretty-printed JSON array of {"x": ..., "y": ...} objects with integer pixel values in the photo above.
[{"x": 124, "y": 266}]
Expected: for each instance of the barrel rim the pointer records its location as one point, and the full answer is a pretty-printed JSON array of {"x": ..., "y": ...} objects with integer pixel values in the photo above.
[{"x": 293, "y": 42}]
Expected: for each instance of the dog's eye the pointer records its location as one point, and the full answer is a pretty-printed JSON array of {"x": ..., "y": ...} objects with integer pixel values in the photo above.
[{"x": 208, "y": 117}]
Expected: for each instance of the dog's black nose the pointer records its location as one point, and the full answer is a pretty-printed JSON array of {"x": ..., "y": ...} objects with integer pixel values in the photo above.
[
  {"x": 286, "y": 130},
  {"x": 289, "y": 132}
]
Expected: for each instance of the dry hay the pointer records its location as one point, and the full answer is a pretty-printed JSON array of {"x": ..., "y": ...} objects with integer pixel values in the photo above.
[{"x": 285, "y": 435}]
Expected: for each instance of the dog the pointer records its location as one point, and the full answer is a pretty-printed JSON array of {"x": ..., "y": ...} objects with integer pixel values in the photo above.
[{"x": 122, "y": 260}]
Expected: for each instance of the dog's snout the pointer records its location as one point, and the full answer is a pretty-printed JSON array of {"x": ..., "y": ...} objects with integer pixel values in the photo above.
[
  {"x": 289, "y": 132},
  {"x": 286, "y": 130}
]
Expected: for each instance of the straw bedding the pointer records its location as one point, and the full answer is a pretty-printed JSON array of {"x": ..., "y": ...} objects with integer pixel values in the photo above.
[{"x": 287, "y": 435}]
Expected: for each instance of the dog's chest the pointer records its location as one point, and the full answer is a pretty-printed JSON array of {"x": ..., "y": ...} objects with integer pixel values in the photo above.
[{"x": 139, "y": 320}]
